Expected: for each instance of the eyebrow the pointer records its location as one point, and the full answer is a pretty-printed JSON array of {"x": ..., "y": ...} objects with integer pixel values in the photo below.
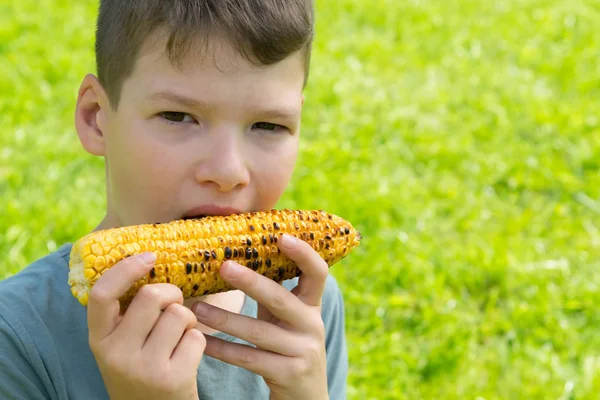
[
  {"x": 180, "y": 99},
  {"x": 286, "y": 113}
]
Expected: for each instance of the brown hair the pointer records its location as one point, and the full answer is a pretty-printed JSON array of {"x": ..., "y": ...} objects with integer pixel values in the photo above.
[{"x": 262, "y": 31}]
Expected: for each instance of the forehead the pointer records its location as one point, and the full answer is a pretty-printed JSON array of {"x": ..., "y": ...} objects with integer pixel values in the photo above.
[{"x": 213, "y": 64}]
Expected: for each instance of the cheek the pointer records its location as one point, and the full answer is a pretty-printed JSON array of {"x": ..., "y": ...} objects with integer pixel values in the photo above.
[
  {"x": 142, "y": 174},
  {"x": 273, "y": 171}
]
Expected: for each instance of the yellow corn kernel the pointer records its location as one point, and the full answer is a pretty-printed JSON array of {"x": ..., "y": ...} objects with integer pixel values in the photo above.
[{"x": 190, "y": 252}]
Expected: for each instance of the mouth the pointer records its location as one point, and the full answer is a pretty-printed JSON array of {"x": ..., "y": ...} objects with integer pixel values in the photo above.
[
  {"x": 196, "y": 216},
  {"x": 209, "y": 210}
]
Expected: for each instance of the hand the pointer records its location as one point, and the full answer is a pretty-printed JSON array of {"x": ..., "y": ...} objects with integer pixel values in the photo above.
[
  {"x": 153, "y": 350},
  {"x": 289, "y": 332}
]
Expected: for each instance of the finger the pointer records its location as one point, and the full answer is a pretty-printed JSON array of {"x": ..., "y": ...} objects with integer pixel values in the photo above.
[
  {"x": 188, "y": 354},
  {"x": 103, "y": 300},
  {"x": 144, "y": 311},
  {"x": 263, "y": 314},
  {"x": 277, "y": 299},
  {"x": 260, "y": 333},
  {"x": 168, "y": 331},
  {"x": 311, "y": 283},
  {"x": 260, "y": 362}
]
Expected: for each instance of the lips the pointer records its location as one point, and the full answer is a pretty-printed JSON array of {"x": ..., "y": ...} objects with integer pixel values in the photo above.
[{"x": 211, "y": 209}]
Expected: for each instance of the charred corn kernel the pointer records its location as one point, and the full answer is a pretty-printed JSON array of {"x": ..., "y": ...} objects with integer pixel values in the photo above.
[{"x": 190, "y": 252}]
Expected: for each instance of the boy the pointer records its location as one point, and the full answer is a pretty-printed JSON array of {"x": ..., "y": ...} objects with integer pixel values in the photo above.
[{"x": 196, "y": 110}]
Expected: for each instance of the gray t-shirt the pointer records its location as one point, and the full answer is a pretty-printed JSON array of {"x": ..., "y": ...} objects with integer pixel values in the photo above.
[{"x": 44, "y": 351}]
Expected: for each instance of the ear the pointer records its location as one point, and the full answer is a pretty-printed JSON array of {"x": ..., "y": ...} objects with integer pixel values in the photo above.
[
  {"x": 91, "y": 114},
  {"x": 302, "y": 100}
]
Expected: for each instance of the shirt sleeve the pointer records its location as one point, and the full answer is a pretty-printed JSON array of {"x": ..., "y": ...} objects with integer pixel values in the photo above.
[
  {"x": 18, "y": 379},
  {"x": 335, "y": 340}
]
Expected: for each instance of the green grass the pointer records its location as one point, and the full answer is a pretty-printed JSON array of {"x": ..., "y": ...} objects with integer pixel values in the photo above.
[{"x": 461, "y": 137}]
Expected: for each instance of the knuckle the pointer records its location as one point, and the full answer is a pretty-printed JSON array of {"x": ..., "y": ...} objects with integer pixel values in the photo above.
[
  {"x": 189, "y": 316},
  {"x": 299, "y": 368},
  {"x": 319, "y": 327},
  {"x": 149, "y": 293},
  {"x": 313, "y": 351},
  {"x": 322, "y": 269},
  {"x": 221, "y": 318},
  {"x": 258, "y": 332},
  {"x": 246, "y": 355},
  {"x": 98, "y": 346},
  {"x": 219, "y": 348},
  {"x": 177, "y": 311},
  {"x": 279, "y": 300},
  {"x": 197, "y": 338},
  {"x": 99, "y": 294}
]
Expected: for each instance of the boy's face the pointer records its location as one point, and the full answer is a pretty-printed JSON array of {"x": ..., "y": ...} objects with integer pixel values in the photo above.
[{"x": 218, "y": 131}]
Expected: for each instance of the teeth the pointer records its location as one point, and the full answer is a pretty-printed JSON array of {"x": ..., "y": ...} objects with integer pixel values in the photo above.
[{"x": 196, "y": 217}]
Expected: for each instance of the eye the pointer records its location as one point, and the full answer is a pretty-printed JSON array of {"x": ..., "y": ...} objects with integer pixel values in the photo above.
[
  {"x": 268, "y": 126},
  {"x": 176, "y": 117}
]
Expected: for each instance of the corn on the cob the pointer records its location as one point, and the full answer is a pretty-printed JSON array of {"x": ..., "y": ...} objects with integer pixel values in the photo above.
[{"x": 190, "y": 252}]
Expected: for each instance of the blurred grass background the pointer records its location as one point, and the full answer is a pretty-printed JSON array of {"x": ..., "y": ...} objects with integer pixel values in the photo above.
[{"x": 461, "y": 137}]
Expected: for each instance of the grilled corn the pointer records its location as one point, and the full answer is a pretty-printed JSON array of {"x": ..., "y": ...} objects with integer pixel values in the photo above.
[{"x": 190, "y": 252}]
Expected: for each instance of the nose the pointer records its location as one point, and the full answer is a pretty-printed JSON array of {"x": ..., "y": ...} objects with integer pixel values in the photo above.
[{"x": 224, "y": 164}]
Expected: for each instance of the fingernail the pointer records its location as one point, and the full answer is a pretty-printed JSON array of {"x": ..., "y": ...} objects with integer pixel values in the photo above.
[
  {"x": 148, "y": 257},
  {"x": 288, "y": 240},
  {"x": 200, "y": 310},
  {"x": 233, "y": 269}
]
